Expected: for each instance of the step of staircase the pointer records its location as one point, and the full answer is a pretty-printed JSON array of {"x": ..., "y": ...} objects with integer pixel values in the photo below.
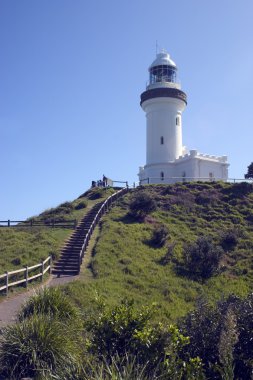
[{"x": 68, "y": 263}]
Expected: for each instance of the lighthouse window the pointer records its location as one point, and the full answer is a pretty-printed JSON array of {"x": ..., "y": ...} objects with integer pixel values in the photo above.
[
  {"x": 177, "y": 120},
  {"x": 162, "y": 73},
  {"x": 162, "y": 140},
  {"x": 162, "y": 176}
]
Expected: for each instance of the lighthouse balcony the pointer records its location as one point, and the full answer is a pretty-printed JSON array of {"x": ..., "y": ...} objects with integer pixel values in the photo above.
[{"x": 163, "y": 85}]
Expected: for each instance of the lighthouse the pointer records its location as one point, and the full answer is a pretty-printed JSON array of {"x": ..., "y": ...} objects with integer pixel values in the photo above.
[{"x": 167, "y": 160}]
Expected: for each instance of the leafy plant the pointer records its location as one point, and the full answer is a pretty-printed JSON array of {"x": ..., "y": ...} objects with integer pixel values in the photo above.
[{"x": 201, "y": 259}]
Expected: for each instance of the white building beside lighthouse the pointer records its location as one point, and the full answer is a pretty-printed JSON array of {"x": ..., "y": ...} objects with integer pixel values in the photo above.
[{"x": 167, "y": 161}]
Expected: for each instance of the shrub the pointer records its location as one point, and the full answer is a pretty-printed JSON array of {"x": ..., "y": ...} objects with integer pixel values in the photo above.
[
  {"x": 38, "y": 347},
  {"x": 16, "y": 261},
  {"x": 81, "y": 205},
  {"x": 96, "y": 193},
  {"x": 168, "y": 257},
  {"x": 141, "y": 205},
  {"x": 159, "y": 236},
  {"x": 208, "y": 196},
  {"x": 120, "y": 330},
  {"x": 239, "y": 190},
  {"x": 201, "y": 259},
  {"x": 57, "y": 213},
  {"x": 229, "y": 240},
  {"x": 223, "y": 337},
  {"x": 126, "y": 332},
  {"x": 203, "y": 326},
  {"x": 52, "y": 302}
]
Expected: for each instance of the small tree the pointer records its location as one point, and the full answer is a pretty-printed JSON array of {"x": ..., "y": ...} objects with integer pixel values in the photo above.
[
  {"x": 202, "y": 258},
  {"x": 249, "y": 174}
]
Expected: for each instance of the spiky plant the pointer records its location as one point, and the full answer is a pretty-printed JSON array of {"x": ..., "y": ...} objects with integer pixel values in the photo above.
[
  {"x": 39, "y": 347},
  {"x": 49, "y": 301}
]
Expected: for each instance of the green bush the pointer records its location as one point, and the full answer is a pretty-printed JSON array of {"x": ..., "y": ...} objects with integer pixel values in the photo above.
[
  {"x": 201, "y": 259},
  {"x": 169, "y": 255},
  {"x": 142, "y": 204},
  {"x": 81, "y": 205},
  {"x": 222, "y": 336},
  {"x": 125, "y": 331},
  {"x": 229, "y": 240},
  {"x": 96, "y": 193},
  {"x": 52, "y": 302},
  {"x": 39, "y": 347},
  {"x": 159, "y": 235},
  {"x": 122, "y": 329},
  {"x": 16, "y": 261}
]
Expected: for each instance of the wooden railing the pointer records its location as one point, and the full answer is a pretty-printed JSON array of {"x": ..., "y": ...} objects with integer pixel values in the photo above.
[
  {"x": 42, "y": 268},
  {"x": 39, "y": 223},
  {"x": 105, "y": 207}
]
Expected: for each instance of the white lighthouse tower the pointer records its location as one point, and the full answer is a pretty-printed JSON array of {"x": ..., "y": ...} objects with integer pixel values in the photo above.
[{"x": 166, "y": 158}]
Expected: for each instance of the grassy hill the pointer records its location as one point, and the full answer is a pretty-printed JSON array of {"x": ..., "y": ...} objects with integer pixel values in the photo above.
[
  {"x": 127, "y": 261},
  {"x": 20, "y": 246},
  {"x": 179, "y": 248}
]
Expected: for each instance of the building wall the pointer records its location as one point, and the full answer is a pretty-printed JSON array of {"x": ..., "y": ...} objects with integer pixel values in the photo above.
[
  {"x": 164, "y": 129},
  {"x": 188, "y": 169}
]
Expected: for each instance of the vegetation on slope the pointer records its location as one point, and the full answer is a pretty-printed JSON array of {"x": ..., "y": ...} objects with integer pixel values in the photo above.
[
  {"x": 164, "y": 253},
  {"x": 127, "y": 262},
  {"x": 20, "y": 246}
]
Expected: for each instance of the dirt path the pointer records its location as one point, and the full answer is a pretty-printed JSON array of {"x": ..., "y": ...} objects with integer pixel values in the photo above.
[{"x": 10, "y": 306}]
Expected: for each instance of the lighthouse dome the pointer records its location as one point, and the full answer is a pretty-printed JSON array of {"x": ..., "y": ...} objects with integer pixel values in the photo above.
[{"x": 163, "y": 59}]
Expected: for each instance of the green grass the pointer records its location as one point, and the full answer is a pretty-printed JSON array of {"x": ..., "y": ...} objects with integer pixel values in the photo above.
[
  {"x": 20, "y": 246},
  {"x": 124, "y": 263}
]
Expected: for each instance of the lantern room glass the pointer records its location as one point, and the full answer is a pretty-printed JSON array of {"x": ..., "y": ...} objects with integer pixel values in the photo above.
[{"x": 162, "y": 73}]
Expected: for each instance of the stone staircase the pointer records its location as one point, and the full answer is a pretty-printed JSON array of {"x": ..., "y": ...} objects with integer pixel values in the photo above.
[{"x": 68, "y": 264}]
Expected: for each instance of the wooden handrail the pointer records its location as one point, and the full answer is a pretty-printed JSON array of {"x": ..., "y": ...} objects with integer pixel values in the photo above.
[
  {"x": 26, "y": 278},
  {"x": 104, "y": 207},
  {"x": 39, "y": 223}
]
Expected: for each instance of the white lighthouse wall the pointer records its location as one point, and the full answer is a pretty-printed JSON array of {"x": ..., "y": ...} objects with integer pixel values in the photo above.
[
  {"x": 187, "y": 168},
  {"x": 164, "y": 136}
]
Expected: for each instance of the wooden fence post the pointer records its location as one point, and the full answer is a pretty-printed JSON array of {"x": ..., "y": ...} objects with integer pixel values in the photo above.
[
  {"x": 80, "y": 263},
  {"x": 42, "y": 269},
  {"x": 50, "y": 263},
  {"x": 26, "y": 276},
  {"x": 7, "y": 282},
  {"x": 9, "y": 223}
]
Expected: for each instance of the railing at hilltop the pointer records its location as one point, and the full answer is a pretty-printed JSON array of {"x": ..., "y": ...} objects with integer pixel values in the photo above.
[
  {"x": 24, "y": 273},
  {"x": 171, "y": 180},
  {"x": 39, "y": 223},
  {"x": 103, "y": 209}
]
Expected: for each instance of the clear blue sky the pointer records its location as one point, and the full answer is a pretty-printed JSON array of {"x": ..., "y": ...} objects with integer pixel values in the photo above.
[{"x": 71, "y": 75}]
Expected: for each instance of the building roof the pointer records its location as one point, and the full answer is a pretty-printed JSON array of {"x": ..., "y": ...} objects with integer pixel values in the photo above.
[{"x": 163, "y": 58}]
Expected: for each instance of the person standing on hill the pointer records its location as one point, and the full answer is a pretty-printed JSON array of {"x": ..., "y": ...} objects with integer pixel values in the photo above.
[{"x": 104, "y": 181}]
